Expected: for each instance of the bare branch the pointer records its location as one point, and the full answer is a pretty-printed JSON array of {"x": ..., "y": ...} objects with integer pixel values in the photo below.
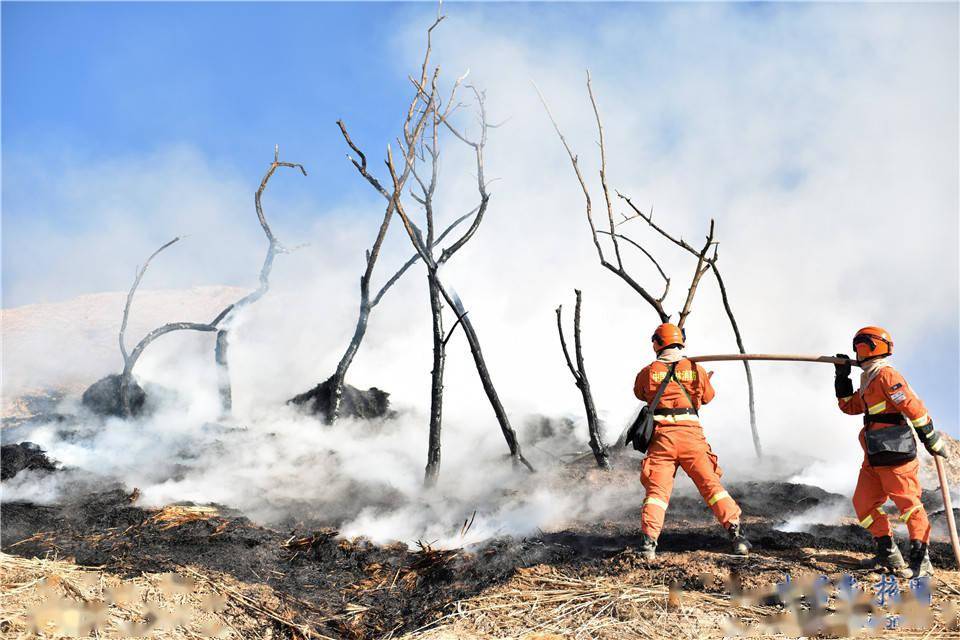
[
  {"x": 697, "y": 274},
  {"x": 133, "y": 289},
  {"x": 603, "y": 170},
  {"x": 746, "y": 365},
  {"x": 274, "y": 246},
  {"x": 362, "y": 165},
  {"x": 583, "y": 383},
  {"x": 680, "y": 242},
  {"x": 656, "y": 303},
  {"x": 576, "y": 169},
  {"x": 416, "y": 257},
  {"x": 415, "y": 236},
  {"x": 478, "y": 149},
  {"x": 666, "y": 279},
  {"x": 563, "y": 346},
  {"x": 454, "y": 327},
  {"x": 263, "y": 185}
]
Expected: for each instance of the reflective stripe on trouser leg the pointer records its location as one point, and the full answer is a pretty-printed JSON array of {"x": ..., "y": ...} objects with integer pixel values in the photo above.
[
  {"x": 876, "y": 522},
  {"x": 902, "y": 484},
  {"x": 656, "y": 502},
  {"x": 868, "y": 500},
  {"x": 720, "y": 495},
  {"x": 905, "y": 516},
  {"x": 918, "y": 524}
]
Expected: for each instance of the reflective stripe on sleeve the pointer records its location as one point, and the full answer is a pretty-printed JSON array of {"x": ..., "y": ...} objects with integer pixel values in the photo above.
[
  {"x": 717, "y": 497},
  {"x": 921, "y": 421},
  {"x": 909, "y": 512},
  {"x": 877, "y": 408},
  {"x": 847, "y": 399},
  {"x": 656, "y": 502}
]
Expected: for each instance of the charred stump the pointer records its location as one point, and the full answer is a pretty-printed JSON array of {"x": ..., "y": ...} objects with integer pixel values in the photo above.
[
  {"x": 354, "y": 403},
  {"x": 15, "y": 458},
  {"x": 103, "y": 397}
]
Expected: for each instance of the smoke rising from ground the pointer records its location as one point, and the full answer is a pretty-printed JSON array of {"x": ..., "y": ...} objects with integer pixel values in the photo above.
[{"x": 823, "y": 145}]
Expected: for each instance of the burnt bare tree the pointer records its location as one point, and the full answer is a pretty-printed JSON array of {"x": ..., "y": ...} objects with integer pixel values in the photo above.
[
  {"x": 274, "y": 248},
  {"x": 712, "y": 264},
  {"x": 414, "y": 124},
  {"x": 615, "y": 265},
  {"x": 424, "y": 114},
  {"x": 427, "y": 105},
  {"x": 130, "y": 358},
  {"x": 579, "y": 374},
  {"x": 433, "y": 263}
]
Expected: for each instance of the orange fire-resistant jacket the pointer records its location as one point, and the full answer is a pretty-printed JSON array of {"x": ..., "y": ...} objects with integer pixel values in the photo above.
[
  {"x": 888, "y": 393},
  {"x": 694, "y": 379}
]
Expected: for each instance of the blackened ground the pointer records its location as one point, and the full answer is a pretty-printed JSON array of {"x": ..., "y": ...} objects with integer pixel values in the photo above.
[
  {"x": 103, "y": 397},
  {"x": 15, "y": 458},
  {"x": 356, "y": 589},
  {"x": 354, "y": 403}
]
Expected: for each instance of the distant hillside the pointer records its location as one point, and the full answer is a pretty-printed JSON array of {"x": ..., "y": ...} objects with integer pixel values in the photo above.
[{"x": 68, "y": 344}]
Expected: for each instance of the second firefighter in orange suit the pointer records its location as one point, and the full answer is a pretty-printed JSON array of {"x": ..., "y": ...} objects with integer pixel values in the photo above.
[
  {"x": 678, "y": 441},
  {"x": 891, "y": 413}
]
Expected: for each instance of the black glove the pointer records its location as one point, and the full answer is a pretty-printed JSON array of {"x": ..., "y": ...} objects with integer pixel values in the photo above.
[
  {"x": 842, "y": 384},
  {"x": 931, "y": 440},
  {"x": 843, "y": 370}
]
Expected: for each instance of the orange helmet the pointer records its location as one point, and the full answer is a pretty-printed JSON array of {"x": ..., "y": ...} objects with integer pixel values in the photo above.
[
  {"x": 667, "y": 335},
  {"x": 871, "y": 342}
]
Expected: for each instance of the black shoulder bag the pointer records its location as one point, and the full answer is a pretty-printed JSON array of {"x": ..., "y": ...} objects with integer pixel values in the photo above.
[
  {"x": 640, "y": 432},
  {"x": 890, "y": 445}
]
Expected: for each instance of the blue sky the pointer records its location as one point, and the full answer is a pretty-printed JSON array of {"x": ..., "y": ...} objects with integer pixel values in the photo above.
[
  {"x": 793, "y": 124},
  {"x": 100, "y": 80},
  {"x": 232, "y": 79}
]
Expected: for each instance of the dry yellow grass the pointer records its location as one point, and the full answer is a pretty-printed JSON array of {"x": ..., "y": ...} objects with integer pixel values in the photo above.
[
  {"x": 542, "y": 603},
  {"x": 55, "y": 598}
]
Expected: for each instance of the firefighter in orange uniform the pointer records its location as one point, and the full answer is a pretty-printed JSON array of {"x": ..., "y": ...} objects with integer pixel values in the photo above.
[
  {"x": 678, "y": 441},
  {"x": 892, "y": 411}
]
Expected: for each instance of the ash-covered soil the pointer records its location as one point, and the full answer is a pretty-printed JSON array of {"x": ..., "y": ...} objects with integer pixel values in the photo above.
[{"x": 357, "y": 589}]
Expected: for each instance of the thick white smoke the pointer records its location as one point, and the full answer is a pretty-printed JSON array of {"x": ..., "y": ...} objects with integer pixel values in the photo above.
[{"x": 823, "y": 146}]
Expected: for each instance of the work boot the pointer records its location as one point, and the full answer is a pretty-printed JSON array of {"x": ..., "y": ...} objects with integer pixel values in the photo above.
[
  {"x": 920, "y": 565},
  {"x": 648, "y": 547},
  {"x": 739, "y": 544},
  {"x": 887, "y": 556}
]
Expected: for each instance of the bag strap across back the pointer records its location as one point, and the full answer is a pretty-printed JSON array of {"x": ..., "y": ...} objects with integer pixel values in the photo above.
[
  {"x": 693, "y": 406},
  {"x": 663, "y": 387}
]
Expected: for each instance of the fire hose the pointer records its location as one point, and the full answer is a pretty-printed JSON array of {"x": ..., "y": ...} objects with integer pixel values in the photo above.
[{"x": 941, "y": 474}]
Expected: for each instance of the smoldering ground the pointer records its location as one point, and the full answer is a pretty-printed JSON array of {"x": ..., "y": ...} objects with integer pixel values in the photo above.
[{"x": 784, "y": 268}]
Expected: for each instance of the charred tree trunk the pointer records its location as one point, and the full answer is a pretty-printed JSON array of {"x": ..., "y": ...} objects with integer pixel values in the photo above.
[
  {"x": 366, "y": 304},
  {"x": 583, "y": 384},
  {"x": 340, "y": 375},
  {"x": 274, "y": 248},
  {"x": 223, "y": 372},
  {"x": 473, "y": 340},
  {"x": 436, "y": 382}
]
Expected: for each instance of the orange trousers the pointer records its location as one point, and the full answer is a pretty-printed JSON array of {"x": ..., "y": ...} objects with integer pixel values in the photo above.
[
  {"x": 682, "y": 446},
  {"x": 900, "y": 483}
]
